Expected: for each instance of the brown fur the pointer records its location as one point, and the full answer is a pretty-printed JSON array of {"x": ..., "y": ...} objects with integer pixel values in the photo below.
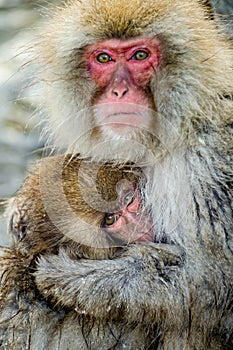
[{"x": 63, "y": 202}]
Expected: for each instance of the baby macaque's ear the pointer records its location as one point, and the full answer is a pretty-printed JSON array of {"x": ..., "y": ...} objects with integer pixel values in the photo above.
[{"x": 18, "y": 220}]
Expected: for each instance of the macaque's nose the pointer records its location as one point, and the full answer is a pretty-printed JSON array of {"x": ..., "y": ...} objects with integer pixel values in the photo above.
[
  {"x": 121, "y": 82},
  {"x": 120, "y": 89}
]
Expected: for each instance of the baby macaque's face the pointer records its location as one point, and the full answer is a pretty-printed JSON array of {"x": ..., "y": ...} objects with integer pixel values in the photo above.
[
  {"x": 97, "y": 205},
  {"x": 129, "y": 223},
  {"x": 109, "y": 200}
]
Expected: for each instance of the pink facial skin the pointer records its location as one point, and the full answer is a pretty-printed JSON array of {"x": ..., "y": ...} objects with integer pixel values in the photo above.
[
  {"x": 122, "y": 70},
  {"x": 129, "y": 224}
]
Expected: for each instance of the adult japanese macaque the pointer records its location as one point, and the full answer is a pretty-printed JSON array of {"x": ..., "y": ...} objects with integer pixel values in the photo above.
[{"x": 149, "y": 82}]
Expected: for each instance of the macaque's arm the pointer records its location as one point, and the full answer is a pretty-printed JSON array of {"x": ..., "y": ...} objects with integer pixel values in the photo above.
[{"x": 126, "y": 284}]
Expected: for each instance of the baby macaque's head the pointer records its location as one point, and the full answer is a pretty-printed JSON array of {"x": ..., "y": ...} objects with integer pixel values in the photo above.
[{"x": 67, "y": 199}]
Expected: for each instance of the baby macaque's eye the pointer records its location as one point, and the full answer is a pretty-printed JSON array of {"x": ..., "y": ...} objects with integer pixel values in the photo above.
[
  {"x": 109, "y": 220},
  {"x": 129, "y": 199}
]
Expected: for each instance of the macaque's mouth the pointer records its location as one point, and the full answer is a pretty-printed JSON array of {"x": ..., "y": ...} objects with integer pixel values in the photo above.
[
  {"x": 147, "y": 237},
  {"x": 124, "y": 120},
  {"x": 120, "y": 114},
  {"x": 123, "y": 114},
  {"x": 127, "y": 118}
]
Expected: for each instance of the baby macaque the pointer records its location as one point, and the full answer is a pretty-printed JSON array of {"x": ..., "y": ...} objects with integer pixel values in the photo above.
[
  {"x": 76, "y": 209},
  {"x": 89, "y": 207}
]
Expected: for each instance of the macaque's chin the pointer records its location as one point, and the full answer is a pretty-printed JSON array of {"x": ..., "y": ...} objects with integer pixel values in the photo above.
[
  {"x": 123, "y": 117},
  {"x": 123, "y": 122},
  {"x": 141, "y": 231},
  {"x": 133, "y": 237},
  {"x": 146, "y": 237},
  {"x": 142, "y": 237}
]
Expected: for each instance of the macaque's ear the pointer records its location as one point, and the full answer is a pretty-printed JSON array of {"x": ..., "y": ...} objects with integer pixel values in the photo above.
[
  {"x": 208, "y": 8},
  {"x": 17, "y": 221}
]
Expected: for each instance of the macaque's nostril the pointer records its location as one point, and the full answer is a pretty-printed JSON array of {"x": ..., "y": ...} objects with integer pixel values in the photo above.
[{"x": 120, "y": 92}]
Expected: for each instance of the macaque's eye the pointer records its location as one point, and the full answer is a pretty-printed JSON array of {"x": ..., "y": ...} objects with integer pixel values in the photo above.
[
  {"x": 103, "y": 57},
  {"x": 140, "y": 55},
  {"x": 109, "y": 220},
  {"x": 129, "y": 199}
]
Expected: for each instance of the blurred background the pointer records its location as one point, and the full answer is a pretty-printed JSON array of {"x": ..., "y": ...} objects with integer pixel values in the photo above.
[{"x": 20, "y": 142}]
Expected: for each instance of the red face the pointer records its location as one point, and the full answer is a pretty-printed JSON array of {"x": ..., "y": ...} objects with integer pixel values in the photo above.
[
  {"x": 130, "y": 223},
  {"x": 122, "y": 71}
]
